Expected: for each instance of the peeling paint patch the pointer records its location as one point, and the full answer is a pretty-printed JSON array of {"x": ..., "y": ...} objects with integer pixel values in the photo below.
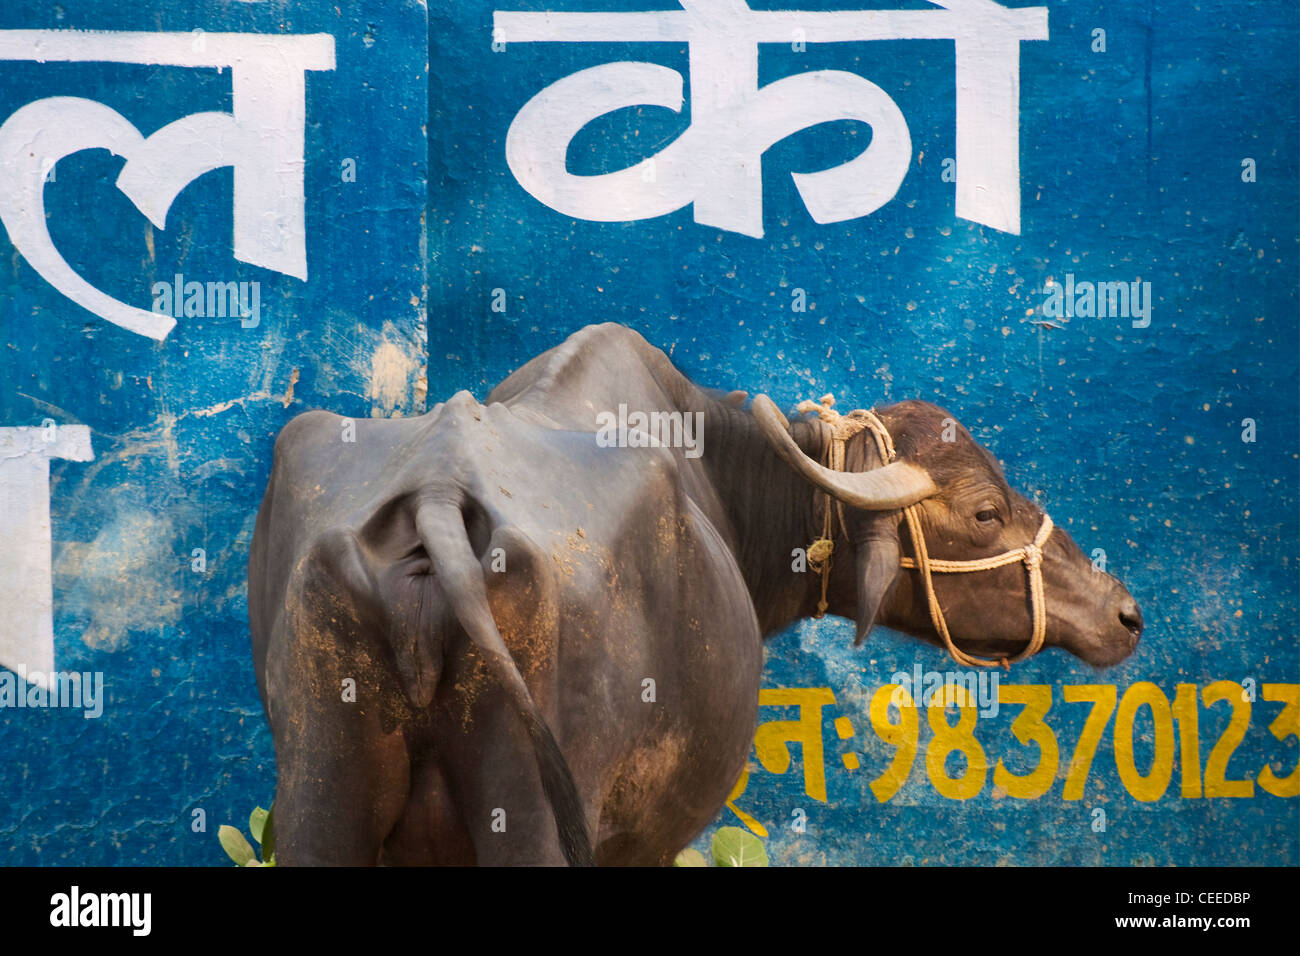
[
  {"x": 393, "y": 373},
  {"x": 123, "y": 580},
  {"x": 288, "y": 392}
]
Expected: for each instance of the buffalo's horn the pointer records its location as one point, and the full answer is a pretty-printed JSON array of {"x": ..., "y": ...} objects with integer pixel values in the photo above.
[{"x": 896, "y": 485}]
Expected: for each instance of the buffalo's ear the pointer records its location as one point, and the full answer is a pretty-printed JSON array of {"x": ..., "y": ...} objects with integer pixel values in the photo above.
[{"x": 878, "y": 555}]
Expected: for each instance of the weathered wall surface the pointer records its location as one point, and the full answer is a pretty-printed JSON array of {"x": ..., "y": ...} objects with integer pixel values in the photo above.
[
  {"x": 1131, "y": 169},
  {"x": 182, "y": 428},
  {"x": 1128, "y": 428}
]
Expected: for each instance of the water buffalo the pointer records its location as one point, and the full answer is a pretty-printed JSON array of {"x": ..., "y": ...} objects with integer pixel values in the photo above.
[{"x": 455, "y": 617}]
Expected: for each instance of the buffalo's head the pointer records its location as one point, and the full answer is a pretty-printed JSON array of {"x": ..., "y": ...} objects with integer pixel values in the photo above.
[{"x": 966, "y": 511}]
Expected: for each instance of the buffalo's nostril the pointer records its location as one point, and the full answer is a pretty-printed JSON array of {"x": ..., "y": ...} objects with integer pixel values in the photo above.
[{"x": 1131, "y": 618}]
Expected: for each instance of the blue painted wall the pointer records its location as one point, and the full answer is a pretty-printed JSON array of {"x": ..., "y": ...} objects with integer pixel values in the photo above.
[
  {"x": 183, "y": 429},
  {"x": 1132, "y": 438}
]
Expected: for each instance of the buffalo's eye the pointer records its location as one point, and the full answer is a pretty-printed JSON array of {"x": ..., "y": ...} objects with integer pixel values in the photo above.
[{"x": 987, "y": 516}]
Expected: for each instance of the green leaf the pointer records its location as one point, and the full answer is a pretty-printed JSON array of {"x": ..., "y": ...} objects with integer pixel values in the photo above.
[
  {"x": 235, "y": 845},
  {"x": 735, "y": 846},
  {"x": 690, "y": 857},
  {"x": 268, "y": 838},
  {"x": 256, "y": 822}
]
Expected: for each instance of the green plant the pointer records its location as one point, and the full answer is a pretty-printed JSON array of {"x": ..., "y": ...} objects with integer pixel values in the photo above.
[
  {"x": 238, "y": 848},
  {"x": 731, "y": 846}
]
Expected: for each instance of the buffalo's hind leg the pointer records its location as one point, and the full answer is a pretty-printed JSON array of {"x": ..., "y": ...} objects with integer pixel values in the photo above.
[
  {"x": 492, "y": 773},
  {"x": 342, "y": 786},
  {"x": 341, "y": 754},
  {"x": 490, "y": 763}
]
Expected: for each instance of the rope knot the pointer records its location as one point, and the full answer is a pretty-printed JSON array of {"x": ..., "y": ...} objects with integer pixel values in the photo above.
[
  {"x": 819, "y": 552},
  {"x": 824, "y": 407},
  {"x": 843, "y": 427},
  {"x": 1033, "y": 556}
]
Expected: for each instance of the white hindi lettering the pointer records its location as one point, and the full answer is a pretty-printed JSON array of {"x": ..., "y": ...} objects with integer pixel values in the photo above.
[
  {"x": 261, "y": 138},
  {"x": 27, "y": 613},
  {"x": 715, "y": 162}
]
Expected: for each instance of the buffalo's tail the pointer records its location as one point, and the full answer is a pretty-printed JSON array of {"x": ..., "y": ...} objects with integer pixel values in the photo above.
[{"x": 441, "y": 527}]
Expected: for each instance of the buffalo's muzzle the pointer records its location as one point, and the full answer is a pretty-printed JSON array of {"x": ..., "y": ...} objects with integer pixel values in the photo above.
[{"x": 1130, "y": 615}]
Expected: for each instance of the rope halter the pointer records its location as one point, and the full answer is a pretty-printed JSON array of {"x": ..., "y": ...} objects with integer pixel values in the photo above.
[{"x": 844, "y": 427}]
